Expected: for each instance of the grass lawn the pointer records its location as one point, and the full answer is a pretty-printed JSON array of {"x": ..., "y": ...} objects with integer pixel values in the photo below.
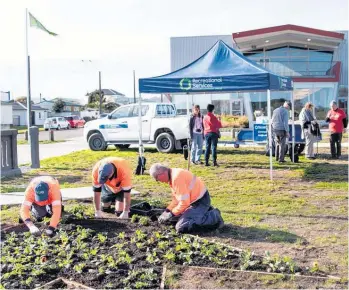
[
  {"x": 24, "y": 142},
  {"x": 301, "y": 214}
]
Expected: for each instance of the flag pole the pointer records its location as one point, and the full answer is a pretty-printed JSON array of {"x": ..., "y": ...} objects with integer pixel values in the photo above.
[{"x": 28, "y": 76}]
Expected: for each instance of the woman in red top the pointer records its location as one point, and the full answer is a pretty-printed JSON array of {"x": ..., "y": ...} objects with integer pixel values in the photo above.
[
  {"x": 211, "y": 132},
  {"x": 338, "y": 121}
]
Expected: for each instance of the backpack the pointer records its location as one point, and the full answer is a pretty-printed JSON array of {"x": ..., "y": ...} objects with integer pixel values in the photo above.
[{"x": 141, "y": 166}]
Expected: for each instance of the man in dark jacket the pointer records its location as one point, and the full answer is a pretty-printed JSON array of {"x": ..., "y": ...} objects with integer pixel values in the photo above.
[{"x": 279, "y": 123}]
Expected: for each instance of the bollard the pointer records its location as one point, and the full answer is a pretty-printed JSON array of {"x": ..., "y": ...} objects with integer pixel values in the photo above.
[
  {"x": 26, "y": 135},
  {"x": 34, "y": 146},
  {"x": 52, "y": 136}
]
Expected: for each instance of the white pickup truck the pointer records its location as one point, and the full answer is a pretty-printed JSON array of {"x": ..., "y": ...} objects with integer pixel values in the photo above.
[{"x": 160, "y": 125}]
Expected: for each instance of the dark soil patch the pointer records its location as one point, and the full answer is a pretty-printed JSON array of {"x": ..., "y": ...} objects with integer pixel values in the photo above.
[{"x": 110, "y": 253}]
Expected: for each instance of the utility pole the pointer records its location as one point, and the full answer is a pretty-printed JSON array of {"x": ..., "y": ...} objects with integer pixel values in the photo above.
[
  {"x": 134, "y": 86},
  {"x": 40, "y": 97},
  {"x": 100, "y": 93}
]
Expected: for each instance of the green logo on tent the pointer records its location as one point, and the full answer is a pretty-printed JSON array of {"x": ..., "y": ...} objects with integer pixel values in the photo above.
[{"x": 185, "y": 84}]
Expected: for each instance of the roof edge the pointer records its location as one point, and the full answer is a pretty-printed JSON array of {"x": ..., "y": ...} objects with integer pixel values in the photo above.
[{"x": 288, "y": 27}]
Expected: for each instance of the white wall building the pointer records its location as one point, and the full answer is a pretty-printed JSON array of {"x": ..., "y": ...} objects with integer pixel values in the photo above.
[
  {"x": 6, "y": 115},
  {"x": 39, "y": 115}
]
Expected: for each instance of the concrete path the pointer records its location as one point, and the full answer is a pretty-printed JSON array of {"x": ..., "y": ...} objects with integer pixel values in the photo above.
[
  {"x": 51, "y": 150},
  {"x": 14, "y": 198}
]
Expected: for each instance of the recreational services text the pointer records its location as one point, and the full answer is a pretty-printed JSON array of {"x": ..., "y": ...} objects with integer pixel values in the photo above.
[{"x": 205, "y": 83}]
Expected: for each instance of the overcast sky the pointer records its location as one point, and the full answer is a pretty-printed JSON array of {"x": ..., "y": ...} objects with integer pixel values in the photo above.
[{"x": 119, "y": 36}]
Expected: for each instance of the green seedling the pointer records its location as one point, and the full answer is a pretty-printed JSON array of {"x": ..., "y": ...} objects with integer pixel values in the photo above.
[
  {"x": 140, "y": 235},
  {"x": 101, "y": 238},
  {"x": 135, "y": 218},
  {"x": 144, "y": 221},
  {"x": 121, "y": 235},
  {"x": 94, "y": 252},
  {"x": 170, "y": 256},
  {"x": 163, "y": 245},
  {"x": 79, "y": 267},
  {"x": 246, "y": 260}
]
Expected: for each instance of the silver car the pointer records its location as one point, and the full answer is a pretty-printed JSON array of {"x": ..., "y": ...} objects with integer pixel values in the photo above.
[{"x": 56, "y": 123}]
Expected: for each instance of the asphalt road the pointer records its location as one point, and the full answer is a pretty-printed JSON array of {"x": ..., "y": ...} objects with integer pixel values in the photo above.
[{"x": 62, "y": 134}]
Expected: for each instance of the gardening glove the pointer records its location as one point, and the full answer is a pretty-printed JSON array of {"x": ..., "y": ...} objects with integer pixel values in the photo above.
[
  {"x": 165, "y": 216},
  {"x": 124, "y": 215},
  {"x": 50, "y": 231},
  {"x": 34, "y": 230},
  {"x": 98, "y": 214}
]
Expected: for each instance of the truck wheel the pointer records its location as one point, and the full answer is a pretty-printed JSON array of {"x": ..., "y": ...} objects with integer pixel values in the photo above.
[
  {"x": 122, "y": 146},
  {"x": 96, "y": 142},
  {"x": 165, "y": 143}
]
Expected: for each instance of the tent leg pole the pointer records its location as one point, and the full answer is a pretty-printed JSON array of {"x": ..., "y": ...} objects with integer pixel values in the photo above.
[
  {"x": 293, "y": 129},
  {"x": 140, "y": 149},
  {"x": 188, "y": 140},
  {"x": 270, "y": 138}
]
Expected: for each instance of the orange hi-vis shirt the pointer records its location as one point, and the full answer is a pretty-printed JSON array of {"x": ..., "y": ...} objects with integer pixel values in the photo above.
[
  {"x": 123, "y": 180},
  {"x": 186, "y": 189},
  {"x": 54, "y": 198}
]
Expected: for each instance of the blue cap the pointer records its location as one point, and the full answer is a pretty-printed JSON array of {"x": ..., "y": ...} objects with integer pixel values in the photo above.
[
  {"x": 41, "y": 191},
  {"x": 104, "y": 172}
]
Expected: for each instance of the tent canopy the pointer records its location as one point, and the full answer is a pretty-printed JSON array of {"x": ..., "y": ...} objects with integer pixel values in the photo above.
[{"x": 220, "y": 69}]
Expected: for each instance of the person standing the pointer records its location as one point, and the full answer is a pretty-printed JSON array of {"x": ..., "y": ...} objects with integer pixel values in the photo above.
[
  {"x": 211, "y": 132},
  {"x": 279, "y": 123},
  {"x": 307, "y": 120},
  {"x": 338, "y": 121},
  {"x": 196, "y": 134}
]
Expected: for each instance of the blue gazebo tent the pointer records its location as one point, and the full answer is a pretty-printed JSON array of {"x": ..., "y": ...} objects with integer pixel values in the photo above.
[{"x": 220, "y": 70}]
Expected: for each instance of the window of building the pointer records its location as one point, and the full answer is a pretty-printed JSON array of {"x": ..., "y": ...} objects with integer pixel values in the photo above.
[
  {"x": 76, "y": 109},
  {"x": 39, "y": 115}
]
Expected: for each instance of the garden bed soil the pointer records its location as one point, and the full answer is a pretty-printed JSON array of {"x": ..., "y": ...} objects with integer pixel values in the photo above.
[
  {"x": 179, "y": 277},
  {"x": 113, "y": 253}
]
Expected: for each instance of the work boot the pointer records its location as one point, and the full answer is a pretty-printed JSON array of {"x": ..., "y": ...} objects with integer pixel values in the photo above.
[
  {"x": 215, "y": 164},
  {"x": 220, "y": 224},
  {"x": 207, "y": 164}
]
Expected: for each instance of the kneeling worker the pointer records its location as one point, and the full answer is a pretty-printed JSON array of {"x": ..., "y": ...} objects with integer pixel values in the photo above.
[
  {"x": 43, "y": 198},
  {"x": 190, "y": 200},
  {"x": 111, "y": 176}
]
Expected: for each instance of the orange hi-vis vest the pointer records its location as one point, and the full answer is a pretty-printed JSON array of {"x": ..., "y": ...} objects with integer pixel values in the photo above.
[
  {"x": 54, "y": 199},
  {"x": 186, "y": 189},
  {"x": 123, "y": 180}
]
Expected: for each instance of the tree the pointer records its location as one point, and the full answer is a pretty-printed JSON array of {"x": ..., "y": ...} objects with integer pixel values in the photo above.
[
  {"x": 23, "y": 100},
  {"x": 58, "y": 106},
  {"x": 110, "y": 107},
  {"x": 93, "y": 99}
]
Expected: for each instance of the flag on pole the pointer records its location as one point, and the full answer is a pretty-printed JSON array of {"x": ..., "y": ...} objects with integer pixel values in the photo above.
[{"x": 36, "y": 23}]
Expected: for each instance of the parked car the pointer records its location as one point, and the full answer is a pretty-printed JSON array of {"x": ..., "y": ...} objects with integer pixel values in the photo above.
[
  {"x": 56, "y": 123},
  {"x": 75, "y": 121},
  {"x": 160, "y": 125}
]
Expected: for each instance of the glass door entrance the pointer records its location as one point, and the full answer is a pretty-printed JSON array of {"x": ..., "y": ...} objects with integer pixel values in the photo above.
[{"x": 236, "y": 108}]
